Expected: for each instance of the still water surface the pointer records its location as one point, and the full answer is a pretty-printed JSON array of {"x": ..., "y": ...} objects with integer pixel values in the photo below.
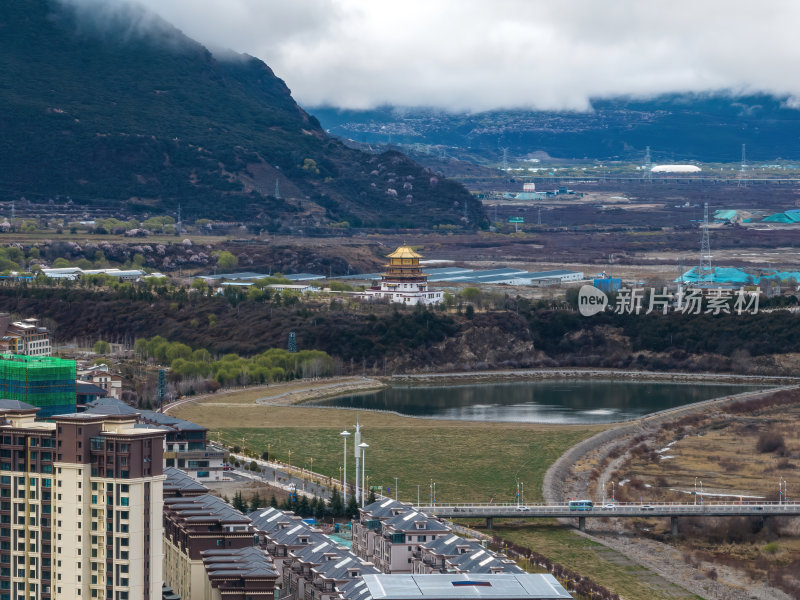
[{"x": 547, "y": 401}]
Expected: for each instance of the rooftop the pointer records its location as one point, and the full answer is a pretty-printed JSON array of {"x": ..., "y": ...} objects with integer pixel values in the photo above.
[
  {"x": 464, "y": 585},
  {"x": 205, "y": 509},
  {"x": 243, "y": 562},
  {"x": 404, "y": 252},
  {"x": 180, "y": 484},
  {"x": 15, "y": 405}
]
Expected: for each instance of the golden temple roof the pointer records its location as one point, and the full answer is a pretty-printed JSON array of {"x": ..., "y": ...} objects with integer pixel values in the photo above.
[{"x": 404, "y": 252}]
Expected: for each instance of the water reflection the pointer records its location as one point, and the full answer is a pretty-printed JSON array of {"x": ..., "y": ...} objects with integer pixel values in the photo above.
[{"x": 549, "y": 401}]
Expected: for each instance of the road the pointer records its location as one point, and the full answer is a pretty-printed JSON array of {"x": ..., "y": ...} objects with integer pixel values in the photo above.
[{"x": 531, "y": 511}]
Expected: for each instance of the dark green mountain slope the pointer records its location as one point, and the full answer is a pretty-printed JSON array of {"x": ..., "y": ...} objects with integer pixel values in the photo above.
[{"x": 120, "y": 107}]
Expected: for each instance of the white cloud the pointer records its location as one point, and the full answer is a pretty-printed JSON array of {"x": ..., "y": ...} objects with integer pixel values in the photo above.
[{"x": 482, "y": 54}]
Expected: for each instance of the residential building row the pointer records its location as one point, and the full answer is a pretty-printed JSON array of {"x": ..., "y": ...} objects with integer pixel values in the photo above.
[{"x": 28, "y": 337}]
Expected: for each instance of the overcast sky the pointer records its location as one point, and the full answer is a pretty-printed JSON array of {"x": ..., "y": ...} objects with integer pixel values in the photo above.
[{"x": 484, "y": 54}]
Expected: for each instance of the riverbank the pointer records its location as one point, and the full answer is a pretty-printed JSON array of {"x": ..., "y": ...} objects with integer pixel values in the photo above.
[
  {"x": 580, "y": 471},
  {"x": 612, "y": 374}
]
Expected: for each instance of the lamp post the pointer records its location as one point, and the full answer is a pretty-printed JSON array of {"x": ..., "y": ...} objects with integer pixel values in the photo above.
[
  {"x": 357, "y": 452},
  {"x": 695, "y": 491},
  {"x": 363, "y": 446},
  {"x": 345, "y": 434},
  {"x": 395, "y": 489},
  {"x": 613, "y": 495}
]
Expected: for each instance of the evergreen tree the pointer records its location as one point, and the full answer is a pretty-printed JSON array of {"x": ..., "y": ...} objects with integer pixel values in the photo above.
[
  {"x": 371, "y": 497},
  {"x": 273, "y": 502},
  {"x": 286, "y": 505},
  {"x": 239, "y": 502},
  {"x": 313, "y": 507},
  {"x": 303, "y": 507},
  {"x": 352, "y": 508},
  {"x": 337, "y": 504},
  {"x": 255, "y": 502}
]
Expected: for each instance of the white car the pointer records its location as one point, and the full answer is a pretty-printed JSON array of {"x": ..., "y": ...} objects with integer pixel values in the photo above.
[
  {"x": 609, "y": 506},
  {"x": 523, "y": 508}
]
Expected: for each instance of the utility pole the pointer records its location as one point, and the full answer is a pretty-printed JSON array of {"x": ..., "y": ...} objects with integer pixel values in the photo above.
[
  {"x": 705, "y": 250},
  {"x": 743, "y": 168}
]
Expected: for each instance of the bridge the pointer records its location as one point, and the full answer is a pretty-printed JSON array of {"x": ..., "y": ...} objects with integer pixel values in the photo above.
[{"x": 491, "y": 511}]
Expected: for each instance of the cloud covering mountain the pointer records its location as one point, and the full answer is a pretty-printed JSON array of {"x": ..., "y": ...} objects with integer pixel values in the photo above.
[{"x": 479, "y": 55}]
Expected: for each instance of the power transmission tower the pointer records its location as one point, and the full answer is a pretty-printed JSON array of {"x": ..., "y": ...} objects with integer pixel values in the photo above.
[
  {"x": 505, "y": 159},
  {"x": 179, "y": 224},
  {"x": 743, "y": 168},
  {"x": 13, "y": 210},
  {"x": 277, "y": 189},
  {"x": 648, "y": 166},
  {"x": 466, "y": 216},
  {"x": 705, "y": 274},
  {"x": 292, "y": 342},
  {"x": 539, "y": 218}
]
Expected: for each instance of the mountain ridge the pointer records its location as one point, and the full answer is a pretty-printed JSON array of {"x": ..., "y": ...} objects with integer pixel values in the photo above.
[
  {"x": 121, "y": 108},
  {"x": 707, "y": 127}
]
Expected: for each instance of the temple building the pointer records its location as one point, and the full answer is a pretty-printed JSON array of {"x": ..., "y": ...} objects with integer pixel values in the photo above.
[{"x": 404, "y": 282}]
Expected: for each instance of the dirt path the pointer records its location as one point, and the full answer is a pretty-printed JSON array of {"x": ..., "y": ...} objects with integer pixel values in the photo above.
[
  {"x": 570, "y": 476},
  {"x": 284, "y": 394}
]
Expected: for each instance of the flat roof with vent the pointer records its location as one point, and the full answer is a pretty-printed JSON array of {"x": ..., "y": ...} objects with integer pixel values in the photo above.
[{"x": 514, "y": 586}]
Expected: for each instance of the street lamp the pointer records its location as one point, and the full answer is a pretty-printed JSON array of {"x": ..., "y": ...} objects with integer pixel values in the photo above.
[
  {"x": 395, "y": 489},
  {"x": 345, "y": 435},
  {"x": 357, "y": 452},
  {"x": 695, "y": 491},
  {"x": 363, "y": 446}
]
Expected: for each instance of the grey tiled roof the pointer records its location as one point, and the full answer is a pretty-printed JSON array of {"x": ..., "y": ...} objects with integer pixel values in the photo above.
[{"x": 178, "y": 481}]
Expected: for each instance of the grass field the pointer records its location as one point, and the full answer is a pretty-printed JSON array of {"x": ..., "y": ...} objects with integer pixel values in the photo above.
[
  {"x": 468, "y": 461},
  {"x": 605, "y": 566}
]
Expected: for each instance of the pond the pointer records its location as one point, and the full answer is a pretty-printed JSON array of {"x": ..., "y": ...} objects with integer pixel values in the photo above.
[{"x": 567, "y": 401}]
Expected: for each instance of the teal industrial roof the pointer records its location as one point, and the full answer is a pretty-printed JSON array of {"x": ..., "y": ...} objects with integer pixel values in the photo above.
[{"x": 733, "y": 275}]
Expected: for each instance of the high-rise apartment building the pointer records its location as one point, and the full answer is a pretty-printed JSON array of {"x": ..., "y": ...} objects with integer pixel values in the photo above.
[{"x": 80, "y": 506}]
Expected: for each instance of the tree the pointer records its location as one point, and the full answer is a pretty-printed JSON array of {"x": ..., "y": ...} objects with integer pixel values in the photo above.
[
  {"x": 226, "y": 260},
  {"x": 239, "y": 503},
  {"x": 101, "y": 347},
  {"x": 255, "y": 502},
  {"x": 303, "y": 508},
  {"x": 371, "y": 497},
  {"x": 352, "y": 508},
  {"x": 336, "y": 505},
  {"x": 273, "y": 502}
]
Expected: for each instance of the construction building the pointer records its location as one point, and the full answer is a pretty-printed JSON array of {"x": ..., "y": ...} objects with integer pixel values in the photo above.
[
  {"x": 27, "y": 337},
  {"x": 80, "y": 515},
  {"x": 45, "y": 382}
]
